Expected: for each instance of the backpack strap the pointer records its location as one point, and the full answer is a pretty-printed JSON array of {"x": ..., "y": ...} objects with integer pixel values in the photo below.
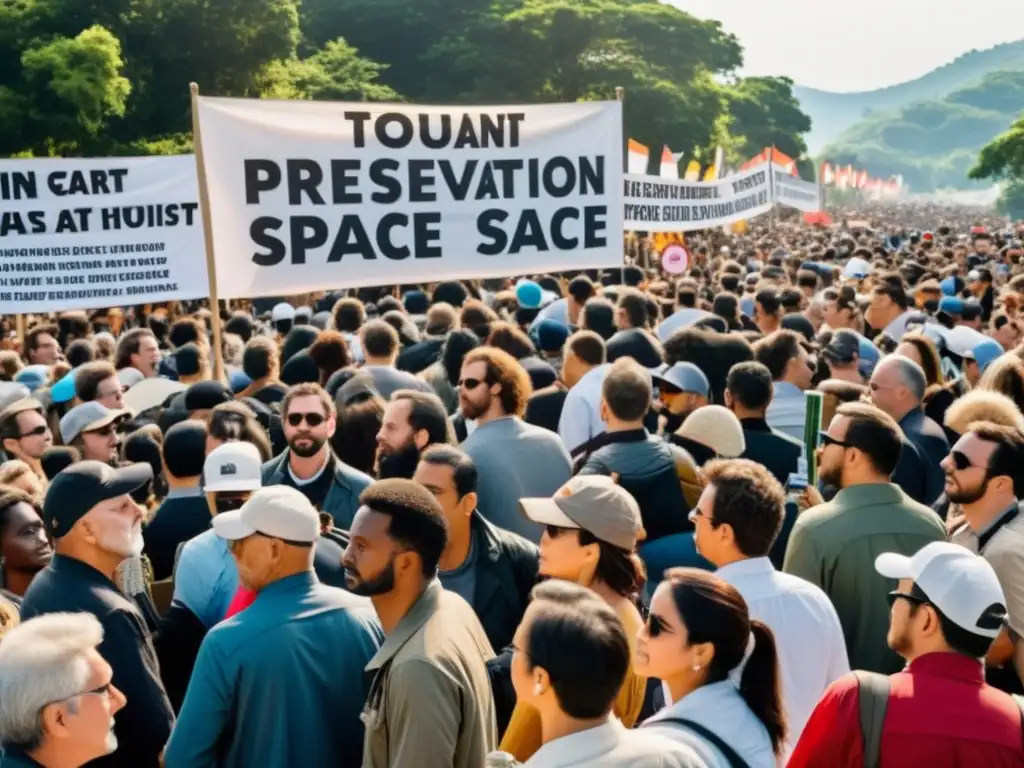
[
  {"x": 873, "y": 692},
  {"x": 730, "y": 754}
]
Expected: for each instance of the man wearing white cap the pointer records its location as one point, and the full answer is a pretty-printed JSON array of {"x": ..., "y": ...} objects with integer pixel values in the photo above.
[
  {"x": 947, "y": 609},
  {"x": 262, "y": 692}
]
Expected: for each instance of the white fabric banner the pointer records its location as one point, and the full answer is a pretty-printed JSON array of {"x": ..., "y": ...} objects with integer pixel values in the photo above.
[
  {"x": 654, "y": 205},
  {"x": 795, "y": 192},
  {"x": 99, "y": 232},
  {"x": 309, "y": 196}
]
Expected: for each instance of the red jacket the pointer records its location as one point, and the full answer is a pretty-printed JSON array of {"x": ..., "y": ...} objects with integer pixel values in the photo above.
[{"x": 941, "y": 714}]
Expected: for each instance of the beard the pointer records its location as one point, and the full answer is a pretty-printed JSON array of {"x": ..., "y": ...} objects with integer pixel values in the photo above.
[
  {"x": 967, "y": 495},
  {"x": 124, "y": 542},
  {"x": 472, "y": 411},
  {"x": 831, "y": 475},
  {"x": 399, "y": 464},
  {"x": 674, "y": 421},
  {"x": 305, "y": 451},
  {"x": 899, "y": 643},
  {"x": 380, "y": 584}
]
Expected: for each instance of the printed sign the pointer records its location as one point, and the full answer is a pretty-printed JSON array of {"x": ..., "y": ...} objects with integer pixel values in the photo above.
[
  {"x": 104, "y": 232},
  {"x": 795, "y": 192},
  {"x": 313, "y": 195}
]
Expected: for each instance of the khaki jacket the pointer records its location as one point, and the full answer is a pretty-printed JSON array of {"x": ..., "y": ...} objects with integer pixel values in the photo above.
[{"x": 430, "y": 703}]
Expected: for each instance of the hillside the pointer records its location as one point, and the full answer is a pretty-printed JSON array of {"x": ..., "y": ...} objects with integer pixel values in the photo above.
[
  {"x": 933, "y": 143},
  {"x": 832, "y": 113}
]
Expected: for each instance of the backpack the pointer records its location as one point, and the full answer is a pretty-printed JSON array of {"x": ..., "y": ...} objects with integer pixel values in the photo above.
[
  {"x": 731, "y": 756},
  {"x": 873, "y": 692}
]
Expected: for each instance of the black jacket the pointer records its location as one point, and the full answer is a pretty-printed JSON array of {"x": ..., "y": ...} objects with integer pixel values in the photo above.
[
  {"x": 778, "y": 453},
  {"x": 506, "y": 571},
  {"x": 343, "y": 498},
  {"x": 933, "y": 446},
  {"x": 175, "y": 521}
]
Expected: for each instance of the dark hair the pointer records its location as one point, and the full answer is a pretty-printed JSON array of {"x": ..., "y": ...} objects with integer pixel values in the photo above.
[
  {"x": 715, "y": 612},
  {"x": 427, "y": 412},
  {"x": 234, "y": 421},
  {"x": 957, "y": 638},
  {"x": 627, "y": 390},
  {"x": 581, "y": 288},
  {"x": 188, "y": 359},
  {"x": 89, "y": 378},
  {"x": 441, "y": 318},
  {"x": 768, "y": 298},
  {"x": 142, "y": 447},
  {"x": 184, "y": 449},
  {"x": 588, "y": 347},
  {"x": 750, "y": 385},
  {"x": 635, "y": 306},
  {"x": 349, "y": 315},
  {"x": 299, "y": 338},
  {"x": 478, "y": 317},
  {"x": 714, "y": 353},
  {"x": 1008, "y": 457},
  {"x": 454, "y": 350},
  {"x": 619, "y": 569},
  {"x": 505, "y": 370},
  {"x": 9, "y": 496},
  {"x": 579, "y": 641},
  {"x": 128, "y": 345},
  {"x": 79, "y": 352},
  {"x": 730, "y": 282},
  {"x": 464, "y": 474},
  {"x": 379, "y": 339},
  {"x": 239, "y": 324},
  {"x": 451, "y": 292},
  {"x": 417, "y": 520},
  {"x": 408, "y": 333},
  {"x": 511, "y": 339},
  {"x": 260, "y": 359},
  {"x": 726, "y": 306},
  {"x": 805, "y": 278},
  {"x": 776, "y": 350},
  {"x": 874, "y": 433},
  {"x": 686, "y": 298},
  {"x": 58, "y": 458},
  {"x": 32, "y": 338},
  {"x": 355, "y": 437},
  {"x": 598, "y": 315},
  {"x": 185, "y": 331},
  {"x": 791, "y": 299},
  {"x": 892, "y": 285},
  {"x": 749, "y": 499},
  {"x": 330, "y": 353}
]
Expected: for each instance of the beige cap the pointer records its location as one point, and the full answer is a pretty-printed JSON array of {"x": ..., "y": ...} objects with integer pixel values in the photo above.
[
  {"x": 593, "y": 503},
  {"x": 716, "y": 427}
]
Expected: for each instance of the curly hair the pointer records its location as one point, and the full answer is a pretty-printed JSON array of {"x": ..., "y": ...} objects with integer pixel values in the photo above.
[{"x": 505, "y": 370}]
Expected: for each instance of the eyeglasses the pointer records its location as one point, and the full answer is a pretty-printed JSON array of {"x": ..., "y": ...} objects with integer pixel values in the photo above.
[
  {"x": 895, "y": 595},
  {"x": 657, "y": 626},
  {"x": 962, "y": 462},
  {"x": 313, "y": 419},
  {"x": 39, "y": 431},
  {"x": 697, "y": 512},
  {"x": 827, "y": 440},
  {"x": 470, "y": 383}
]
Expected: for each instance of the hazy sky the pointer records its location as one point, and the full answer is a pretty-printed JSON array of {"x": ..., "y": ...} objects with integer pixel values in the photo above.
[{"x": 844, "y": 45}]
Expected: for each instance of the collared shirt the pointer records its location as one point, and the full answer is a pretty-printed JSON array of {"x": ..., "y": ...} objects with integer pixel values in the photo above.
[
  {"x": 795, "y": 610},
  {"x": 281, "y": 683},
  {"x": 581, "y": 413},
  {"x": 16, "y": 758},
  {"x": 940, "y": 714},
  {"x": 206, "y": 578},
  {"x": 431, "y": 701},
  {"x": 188, "y": 492},
  {"x": 719, "y": 708},
  {"x": 787, "y": 410},
  {"x": 612, "y": 746},
  {"x": 834, "y": 546}
]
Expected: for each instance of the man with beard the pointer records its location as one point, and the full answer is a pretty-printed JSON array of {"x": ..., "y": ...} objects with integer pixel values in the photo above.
[
  {"x": 309, "y": 464},
  {"x": 430, "y": 700},
  {"x": 985, "y": 476},
  {"x": 834, "y": 545},
  {"x": 412, "y": 422},
  {"x": 91, "y": 516}
]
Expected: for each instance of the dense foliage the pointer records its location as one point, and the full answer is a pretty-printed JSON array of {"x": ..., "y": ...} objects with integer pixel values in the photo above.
[{"x": 94, "y": 77}]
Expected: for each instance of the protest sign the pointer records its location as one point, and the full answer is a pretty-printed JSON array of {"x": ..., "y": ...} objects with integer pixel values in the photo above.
[
  {"x": 99, "y": 232},
  {"x": 795, "y": 192},
  {"x": 663, "y": 205},
  {"x": 313, "y": 195}
]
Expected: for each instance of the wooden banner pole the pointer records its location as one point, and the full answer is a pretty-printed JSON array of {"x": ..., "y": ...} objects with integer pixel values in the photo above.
[
  {"x": 19, "y": 327},
  {"x": 204, "y": 207},
  {"x": 620, "y": 95}
]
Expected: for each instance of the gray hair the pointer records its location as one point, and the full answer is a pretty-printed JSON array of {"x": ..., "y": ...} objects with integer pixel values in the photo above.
[
  {"x": 912, "y": 375},
  {"x": 42, "y": 662}
]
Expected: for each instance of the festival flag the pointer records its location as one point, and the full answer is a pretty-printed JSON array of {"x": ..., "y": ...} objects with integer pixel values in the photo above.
[
  {"x": 693, "y": 171},
  {"x": 669, "y": 167},
  {"x": 828, "y": 175},
  {"x": 637, "y": 157},
  {"x": 781, "y": 159},
  {"x": 716, "y": 171}
]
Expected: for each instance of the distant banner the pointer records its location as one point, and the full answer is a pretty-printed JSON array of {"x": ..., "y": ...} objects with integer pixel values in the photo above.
[
  {"x": 104, "y": 232},
  {"x": 661, "y": 205},
  {"x": 312, "y": 195},
  {"x": 795, "y": 192}
]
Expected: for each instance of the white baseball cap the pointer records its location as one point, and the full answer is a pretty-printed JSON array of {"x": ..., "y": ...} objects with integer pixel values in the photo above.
[
  {"x": 233, "y": 466},
  {"x": 961, "y": 584},
  {"x": 282, "y": 311},
  {"x": 277, "y": 511},
  {"x": 856, "y": 268}
]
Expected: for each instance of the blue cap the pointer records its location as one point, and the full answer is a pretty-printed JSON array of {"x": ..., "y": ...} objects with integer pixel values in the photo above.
[
  {"x": 948, "y": 286},
  {"x": 64, "y": 390},
  {"x": 985, "y": 353},
  {"x": 686, "y": 377},
  {"x": 869, "y": 356},
  {"x": 529, "y": 294},
  {"x": 551, "y": 335},
  {"x": 952, "y": 305},
  {"x": 32, "y": 376},
  {"x": 237, "y": 380}
]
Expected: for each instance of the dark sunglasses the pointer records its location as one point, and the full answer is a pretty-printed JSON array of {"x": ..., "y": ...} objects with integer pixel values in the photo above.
[
  {"x": 470, "y": 383},
  {"x": 962, "y": 462},
  {"x": 313, "y": 419},
  {"x": 827, "y": 440},
  {"x": 42, "y": 429},
  {"x": 895, "y": 595},
  {"x": 657, "y": 626}
]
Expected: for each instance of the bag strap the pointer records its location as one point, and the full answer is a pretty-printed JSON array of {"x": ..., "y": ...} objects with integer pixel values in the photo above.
[
  {"x": 730, "y": 754},
  {"x": 1019, "y": 700},
  {"x": 873, "y": 691}
]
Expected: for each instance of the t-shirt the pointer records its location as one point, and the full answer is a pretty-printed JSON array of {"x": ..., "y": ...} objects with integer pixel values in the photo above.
[
  {"x": 462, "y": 580},
  {"x": 317, "y": 489}
]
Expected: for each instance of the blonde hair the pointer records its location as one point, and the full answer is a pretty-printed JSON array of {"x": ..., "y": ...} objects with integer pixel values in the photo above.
[{"x": 983, "y": 405}]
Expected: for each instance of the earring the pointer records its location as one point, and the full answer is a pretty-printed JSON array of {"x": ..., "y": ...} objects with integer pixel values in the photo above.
[
  {"x": 696, "y": 667},
  {"x": 538, "y": 689}
]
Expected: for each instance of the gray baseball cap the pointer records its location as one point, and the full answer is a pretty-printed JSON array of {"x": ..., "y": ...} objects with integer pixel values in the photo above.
[
  {"x": 87, "y": 417},
  {"x": 686, "y": 377},
  {"x": 593, "y": 503}
]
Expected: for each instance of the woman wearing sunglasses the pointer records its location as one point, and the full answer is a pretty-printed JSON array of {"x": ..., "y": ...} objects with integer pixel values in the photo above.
[
  {"x": 591, "y": 529},
  {"x": 720, "y": 670}
]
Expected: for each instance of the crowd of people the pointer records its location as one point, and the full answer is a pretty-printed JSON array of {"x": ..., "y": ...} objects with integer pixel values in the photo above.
[{"x": 582, "y": 519}]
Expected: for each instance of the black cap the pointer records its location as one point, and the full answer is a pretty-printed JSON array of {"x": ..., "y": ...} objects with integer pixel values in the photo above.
[
  {"x": 80, "y": 487},
  {"x": 206, "y": 395}
]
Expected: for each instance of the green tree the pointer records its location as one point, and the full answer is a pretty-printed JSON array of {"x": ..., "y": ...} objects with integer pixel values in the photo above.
[
  {"x": 334, "y": 73},
  {"x": 766, "y": 114},
  {"x": 1003, "y": 157},
  {"x": 1011, "y": 200}
]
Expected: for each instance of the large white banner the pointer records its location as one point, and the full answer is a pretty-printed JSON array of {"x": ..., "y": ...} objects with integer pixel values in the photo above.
[
  {"x": 663, "y": 205},
  {"x": 795, "y": 192},
  {"x": 102, "y": 232},
  {"x": 314, "y": 195}
]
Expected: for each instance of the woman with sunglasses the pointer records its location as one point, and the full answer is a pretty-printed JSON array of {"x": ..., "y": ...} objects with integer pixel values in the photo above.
[
  {"x": 719, "y": 668},
  {"x": 591, "y": 529}
]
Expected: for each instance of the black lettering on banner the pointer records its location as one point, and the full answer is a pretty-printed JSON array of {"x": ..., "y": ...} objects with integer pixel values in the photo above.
[
  {"x": 307, "y": 232},
  {"x": 345, "y": 174},
  {"x": 260, "y": 176},
  {"x": 304, "y": 177},
  {"x": 391, "y": 185},
  {"x": 18, "y": 185}
]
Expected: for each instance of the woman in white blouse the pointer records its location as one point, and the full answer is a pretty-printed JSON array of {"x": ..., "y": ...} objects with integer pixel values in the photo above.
[{"x": 720, "y": 669}]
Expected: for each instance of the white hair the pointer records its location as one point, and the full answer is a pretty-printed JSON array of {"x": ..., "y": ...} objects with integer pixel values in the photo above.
[{"x": 43, "y": 661}]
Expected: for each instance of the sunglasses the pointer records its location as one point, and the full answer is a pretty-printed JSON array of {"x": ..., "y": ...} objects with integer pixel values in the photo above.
[
  {"x": 895, "y": 595},
  {"x": 827, "y": 440},
  {"x": 39, "y": 431},
  {"x": 470, "y": 383},
  {"x": 962, "y": 462},
  {"x": 657, "y": 626},
  {"x": 313, "y": 419}
]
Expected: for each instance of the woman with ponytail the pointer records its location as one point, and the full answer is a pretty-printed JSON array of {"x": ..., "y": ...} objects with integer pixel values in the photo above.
[{"x": 719, "y": 668}]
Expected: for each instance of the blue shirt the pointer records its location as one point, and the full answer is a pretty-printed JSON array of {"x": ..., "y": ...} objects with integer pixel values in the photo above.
[
  {"x": 788, "y": 410},
  {"x": 281, "y": 683},
  {"x": 206, "y": 578}
]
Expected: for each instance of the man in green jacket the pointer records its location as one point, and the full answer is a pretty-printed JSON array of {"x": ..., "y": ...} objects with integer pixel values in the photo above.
[{"x": 834, "y": 545}]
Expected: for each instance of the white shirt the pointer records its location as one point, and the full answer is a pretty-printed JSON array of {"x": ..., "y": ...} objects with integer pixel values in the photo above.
[
  {"x": 557, "y": 310},
  {"x": 581, "y": 412},
  {"x": 808, "y": 636},
  {"x": 719, "y": 708},
  {"x": 787, "y": 411},
  {"x": 612, "y": 746}
]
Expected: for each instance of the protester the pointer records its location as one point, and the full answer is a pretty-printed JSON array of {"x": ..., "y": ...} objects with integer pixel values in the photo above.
[
  {"x": 91, "y": 428},
  {"x": 583, "y": 373},
  {"x": 25, "y": 433},
  {"x": 380, "y": 344},
  {"x": 412, "y": 422},
  {"x": 138, "y": 349},
  {"x": 431, "y": 695},
  {"x": 98, "y": 381},
  {"x": 784, "y": 355}
]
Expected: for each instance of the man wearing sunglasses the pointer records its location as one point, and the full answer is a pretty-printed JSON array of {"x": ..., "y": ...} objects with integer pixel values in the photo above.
[
  {"x": 309, "y": 464},
  {"x": 985, "y": 476},
  {"x": 25, "y": 433},
  {"x": 946, "y": 610},
  {"x": 92, "y": 429}
]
